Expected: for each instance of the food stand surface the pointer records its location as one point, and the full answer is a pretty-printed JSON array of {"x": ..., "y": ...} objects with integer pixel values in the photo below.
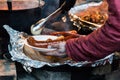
[{"x": 69, "y": 68}]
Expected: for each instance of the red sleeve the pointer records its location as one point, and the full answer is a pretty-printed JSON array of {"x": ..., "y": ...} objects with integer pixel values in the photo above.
[{"x": 99, "y": 43}]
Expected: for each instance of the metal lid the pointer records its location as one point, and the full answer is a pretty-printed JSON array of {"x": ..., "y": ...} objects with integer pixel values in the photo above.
[{"x": 20, "y": 4}]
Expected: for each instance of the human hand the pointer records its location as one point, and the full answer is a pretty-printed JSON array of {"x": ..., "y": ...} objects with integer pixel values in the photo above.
[{"x": 59, "y": 52}]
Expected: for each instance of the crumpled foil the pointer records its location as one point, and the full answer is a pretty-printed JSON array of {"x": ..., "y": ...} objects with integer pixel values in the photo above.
[
  {"x": 79, "y": 8},
  {"x": 16, "y": 51},
  {"x": 83, "y": 6}
]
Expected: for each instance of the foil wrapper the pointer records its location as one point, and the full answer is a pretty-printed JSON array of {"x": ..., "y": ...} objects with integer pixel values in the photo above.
[
  {"x": 76, "y": 19},
  {"x": 16, "y": 51},
  {"x": 83, "y": 6}
]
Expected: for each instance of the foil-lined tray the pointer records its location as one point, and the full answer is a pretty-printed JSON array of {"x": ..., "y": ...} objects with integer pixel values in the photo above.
[
  {"x": 77, "y": 21},
  {"x": 78, "y": 8},
  {"x": 16, "y": 51}
]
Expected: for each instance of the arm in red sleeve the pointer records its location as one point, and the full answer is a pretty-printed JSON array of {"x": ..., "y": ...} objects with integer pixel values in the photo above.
[{"x": 99, "y": 43}]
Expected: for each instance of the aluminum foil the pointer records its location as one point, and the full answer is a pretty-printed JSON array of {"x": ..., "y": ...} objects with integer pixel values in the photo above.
[
  {"x": 78, "y": 8},
  {"x": 83, "y": 6},
  {"x": 16, "y": 51}
]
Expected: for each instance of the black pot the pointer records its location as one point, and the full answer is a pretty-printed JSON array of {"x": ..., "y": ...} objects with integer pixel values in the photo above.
[{"x": 20, "y": 20}]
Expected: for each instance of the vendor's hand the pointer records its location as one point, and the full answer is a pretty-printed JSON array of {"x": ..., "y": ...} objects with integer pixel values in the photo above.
[{"x": 60, "y": 50}]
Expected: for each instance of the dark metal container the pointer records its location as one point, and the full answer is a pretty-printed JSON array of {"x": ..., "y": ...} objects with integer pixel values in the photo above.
[{"x": 19, "y": 16}]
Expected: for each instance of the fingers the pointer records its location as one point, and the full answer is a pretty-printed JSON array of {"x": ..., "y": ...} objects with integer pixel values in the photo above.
[
  {"x": 54, "y": 45},
  {"x": 62, "y": 47},
  {"x": 59, "y": 46},
  {"x": 59, "y": 52},
  {"x": 56, "y": 53}
]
